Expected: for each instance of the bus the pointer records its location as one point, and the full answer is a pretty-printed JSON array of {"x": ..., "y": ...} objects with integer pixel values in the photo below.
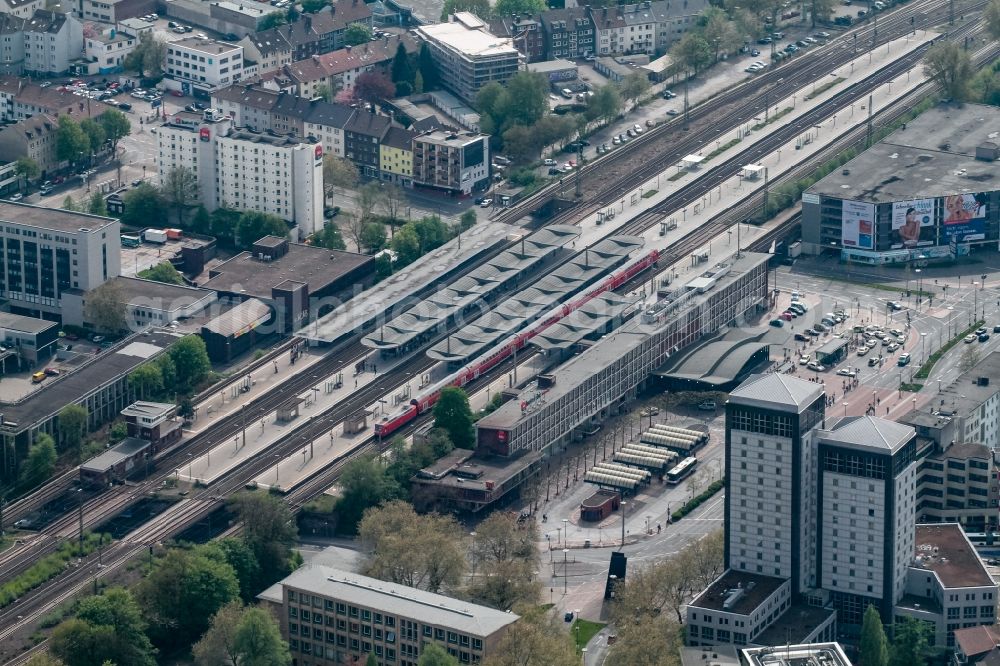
[
  {"x": 129, "y": 240},
  {"x": 681, "y": 471}
]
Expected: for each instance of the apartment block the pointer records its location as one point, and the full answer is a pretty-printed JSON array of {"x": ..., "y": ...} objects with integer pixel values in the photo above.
[
  {"x": 46, "y": 252},
  {"x": 21, "y": 8},
  {"x": 51, "y": 41},
  {"x": 451, "y": 161},
  {"x": 248, "y": 170},
  {"x": 330, "y": 616},
  {"x": 203, "y": 64},
  {"x": 468, "y": 56},
  {"x": 959, "y": 485},
  {"x": 106, "y": 51},
  {"x": 569, "y": 33}
]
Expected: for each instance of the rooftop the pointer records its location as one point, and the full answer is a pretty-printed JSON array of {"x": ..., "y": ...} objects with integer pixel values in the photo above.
[
  {"x": 44, "y": 20},
  {"x": 868, "y": 432},
  {"x": 245, "y": 275},
  {"x": 471, "y": 38},
  {"x": 13, "y": 322},
  {"x": 203, "y": 45},
  {"x": 152, "y": 410},
  {"x": 55, "y": 219},
  {"x": 443, "y": 137},
  {"x": 547, "y": 66},
  {"x": 933, "y": 156},
  {"x": 139, "y": 291},
  {"x": 396, "y": 599},
  {"x": 476, "y": 473},
  {"x": 738, "y": 592},
  {"x": 122, "y": 451},
  {"x": 271, "y": 138},
  {"x": 346, "y": 59},
  {"x": 975, "y": 641},
  {"x": 945, "y": 550},
  {"x": 776, "y": 391},
  {"x": 594, "y": 316},
  {"x": 813, "y": 654},
  {"x": 239, "y": 319},
  {"x": 967, "y": 393},
  {"x": 797, "y": 625},
  {"x": 720, "y": 360},
  {"x": 85, "y": 380}
]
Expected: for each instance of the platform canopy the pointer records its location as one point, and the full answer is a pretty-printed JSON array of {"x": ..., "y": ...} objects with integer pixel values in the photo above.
[
  {"x": 691, "y": 161},
  {"x": 752, "y": 171}
]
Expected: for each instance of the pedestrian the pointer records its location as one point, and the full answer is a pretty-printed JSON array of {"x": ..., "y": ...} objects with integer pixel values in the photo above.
[{"x": 886, "y": 410}]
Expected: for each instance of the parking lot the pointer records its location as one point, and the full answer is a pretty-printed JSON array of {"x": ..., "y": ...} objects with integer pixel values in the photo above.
[{"x": 71, "y": 353}]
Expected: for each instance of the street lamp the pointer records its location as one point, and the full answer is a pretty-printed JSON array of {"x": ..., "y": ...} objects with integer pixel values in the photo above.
[
  {"x": 923, "y": 347},
  {"x": 473, "y": 535},
  {"x": 623, "y": 504},
  {"x": 565, "y": 522},
  {"x": 919, "y": 282}
]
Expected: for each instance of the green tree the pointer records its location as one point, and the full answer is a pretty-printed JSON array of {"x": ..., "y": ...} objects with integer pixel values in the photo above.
[
  {"x": 72, "y": 426},
  {"x": 874, "y": 647},
  {"x": 338, "y": 172},
  {"x": 634, "y": 86},
  {"x": 94, "y": 131},
  {"x": 272, "y": 20},
  {"x": 144, "y": 206},
  {"x": 180, "y": 191},
  {"x": 107, "y": 627},
  {"x": 402, "y": 70},
  {"x": 719, "y": 32},
  {"x": 480, "y": 8},
  {"x": 509, "y": 7},
  {"x": 329, "y": 238},
  {"x": 105, "y": 307},
  {"x": 162, "y": 272},
  {"x": 268, "y": 531},
  {"x": 453, "y": 414},
  {"x": 238, "y": 555},
  {"x": 147, "y": 57},
  {"x": 535, "y": 640},
  {"x": 224, "y": 224},
  {"x": 313, "y": 6},
  {"x": 363, "y": 484},
  {"x": 433, "y": 654},
  {"x": 72, "y": 145},
  {"x": 242, "y": 636},
  {"x": 44, "y": 659},
  {"x": 69, "y": 204},
  {"x": 605, "y": 104},
  {"x": 292, "y": 14},
  {"x": 648, "y": 642},
  {"x": 182, "y": 593},
  {"x": 428, "y": 69},
  {"x": 406, "y": 244},
  {"x": 146, "y": 381},
  {"x": 96, "y": 204},
  {"x": 421, "y": 551},
  {"x": 373, "y": 237},
  {"x": 254, "y": 225},
  {"x": 992, "y": 19},
  {"x": 910, "y": 640},
  {"x": 821, "y": 10},
  {"x": 165, "y": 362},
  {"x": 191, "y": 361},
  {"x": 467, "y": 220},
  {"x": 26, "y": 169},
  {"x": 949, "y": 65},
  {"x": 357, "y": 33},
  {"x": 39, "y": 463},
  {"x": 418, "y": 82},
  {"x": 371, "y": 660},
  {"x": 323, "y": 92},
  {"x": 504, "y": 549},
  {"x": 116, "y": 126},
  {"x": 526, "y": 101},
  {"x": 201, "y": 223},
  {"x": 691, "y": 53}
]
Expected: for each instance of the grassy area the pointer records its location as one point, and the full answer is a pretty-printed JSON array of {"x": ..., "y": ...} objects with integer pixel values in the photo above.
[
  {"x": 47, "y": 568},
  {"x": 584, "y": 630},
  {"x": 774, "y": 117},
  {"x": 649, "y": 193},
  {"x": 677, "y": 176},
  {"x": 823, "y": 88},
  {"x": 925, "y": 370},
  {"x": 910, "y": 388},
  {"x": 723, "y": 148}
]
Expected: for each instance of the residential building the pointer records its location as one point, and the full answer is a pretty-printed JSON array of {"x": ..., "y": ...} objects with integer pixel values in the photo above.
[
  {"x": 326, "y": 122},
  {"x": 959, "y": 485},
  {"x": 45, "y": 252},
  {"x": 363, "y": 135},
  {"x": 330, "y": 616},
  {"x": 866, "y": 512},
  {"x": 947, "y": 585},
  {"x": 525, "y": 32},
  {"x": 396, "y": 156},
  {"x": 456, "y": 162},
  {"x": 51, "y": 41},
  {"x": 20, "y": 99},
  {"x": 265, "y": 171},
  {"x": 35, "y": 136},
  {"x": 107, "y": 50},
  {"x": 203, "y": 64},
  {"x": 154, "y": 422},
  {"x": 468, "y": 56},
  {"x": 21, "y": 8},
  {"x": 645, "y": 27},
  {"x": 336, "y": 70},
  {"x": 11, "y": 45},
  {"x": 114, "y": 11},
  {"x": 980, "y": 644},
  {"x": 568, "y": 33}
]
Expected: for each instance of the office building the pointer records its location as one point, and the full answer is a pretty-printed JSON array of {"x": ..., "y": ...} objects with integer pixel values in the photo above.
[
  {"x": 456, "y": 162},
  {"x": 147, "y": 303},
  {"x": 823, "y": 654},
  {"x": 114, "y": 11},
  {"x": 105, "y": 52},
  {"x": 246, "y": 170},
  {"x": 958, "y": 485},
  {"x": 33, "y": 339},
  {"x": 468, "y": 56},
  {"x": 330, "y": 616},
  {"x": 196, "y": 64},
  {"x": 938, "y": 193},
  {"x": 47, "y": 252},
  {"x": 866, "y": 514}
]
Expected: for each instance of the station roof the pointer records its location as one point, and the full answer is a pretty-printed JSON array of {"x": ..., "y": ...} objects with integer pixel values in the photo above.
[
  {"x": 720, "y": 360},
  {"x": 468, "y": 289},
  {"x": 239, "y": 319},
  {"x": 935, "y": 155},
  {"x": 121, "y": 452},
  {"x": 593, "y": 316},
  {"x": 529, "y": 304}
]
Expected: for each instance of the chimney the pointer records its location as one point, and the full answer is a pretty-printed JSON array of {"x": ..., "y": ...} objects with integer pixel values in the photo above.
[{"x": 316, "y": 59}]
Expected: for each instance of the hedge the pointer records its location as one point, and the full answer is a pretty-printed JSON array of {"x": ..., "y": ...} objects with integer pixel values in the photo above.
[{"x": 694, "y": 503}]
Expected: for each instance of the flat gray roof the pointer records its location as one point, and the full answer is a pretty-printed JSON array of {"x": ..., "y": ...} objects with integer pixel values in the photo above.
[
  {"x": 21, "y": 324},
  {"x": 139, "y": 290},
  {"x": 436, "y": 309},
  {"x": 966, "y": 394},
  {"x": 868, "y": 432},
  {"x": 755, "y": 590},
  {"x": 247, "y": 314},
  {"x": 124, "y": 450},
  {"x": 528, "y": 304},
  {"x": 945, "y": 550},
  {"x": 934, "y": 156},
  {"x": 55, "y": 219},
  {"x": 400, "y": 600}
]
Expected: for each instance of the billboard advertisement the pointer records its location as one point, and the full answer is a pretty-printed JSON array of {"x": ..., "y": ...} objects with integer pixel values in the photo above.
[
  {"x": 912, "y": 223},
  {"x": 964, "y": 217},
  {"x": 858, "y": 224}
]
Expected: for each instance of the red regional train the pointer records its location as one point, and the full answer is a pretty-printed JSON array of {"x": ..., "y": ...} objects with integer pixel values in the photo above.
[{"x": 421, "y": 404}]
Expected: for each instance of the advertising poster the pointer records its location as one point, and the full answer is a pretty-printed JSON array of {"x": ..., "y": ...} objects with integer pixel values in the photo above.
[
  {"x": 964, "y": 217},
  {"x": 858, "y": 225},
  {"x": 912, "y": 223}
]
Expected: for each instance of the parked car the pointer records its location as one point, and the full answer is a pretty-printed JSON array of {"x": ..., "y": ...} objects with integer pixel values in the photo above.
[
  {"x": 847, "y": 372},
  {"x": 486, "y": 203},
  {"x": 969, "y": 339},
  {"x": 777, "y": 323},
  {"x": 669, "y": 94},
  {"x": 815, "y": 367},
  {"x": 707, "y": 405}
]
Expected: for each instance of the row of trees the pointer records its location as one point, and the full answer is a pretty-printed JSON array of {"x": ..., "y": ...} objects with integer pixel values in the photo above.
[
  {"x": 484, "y": 10},
  {"x": 78, "y": 141},
  {"x": 193, "y": 596},
  {"x": 909, "y": 645},
  {"x": 179, "y": 371}
]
